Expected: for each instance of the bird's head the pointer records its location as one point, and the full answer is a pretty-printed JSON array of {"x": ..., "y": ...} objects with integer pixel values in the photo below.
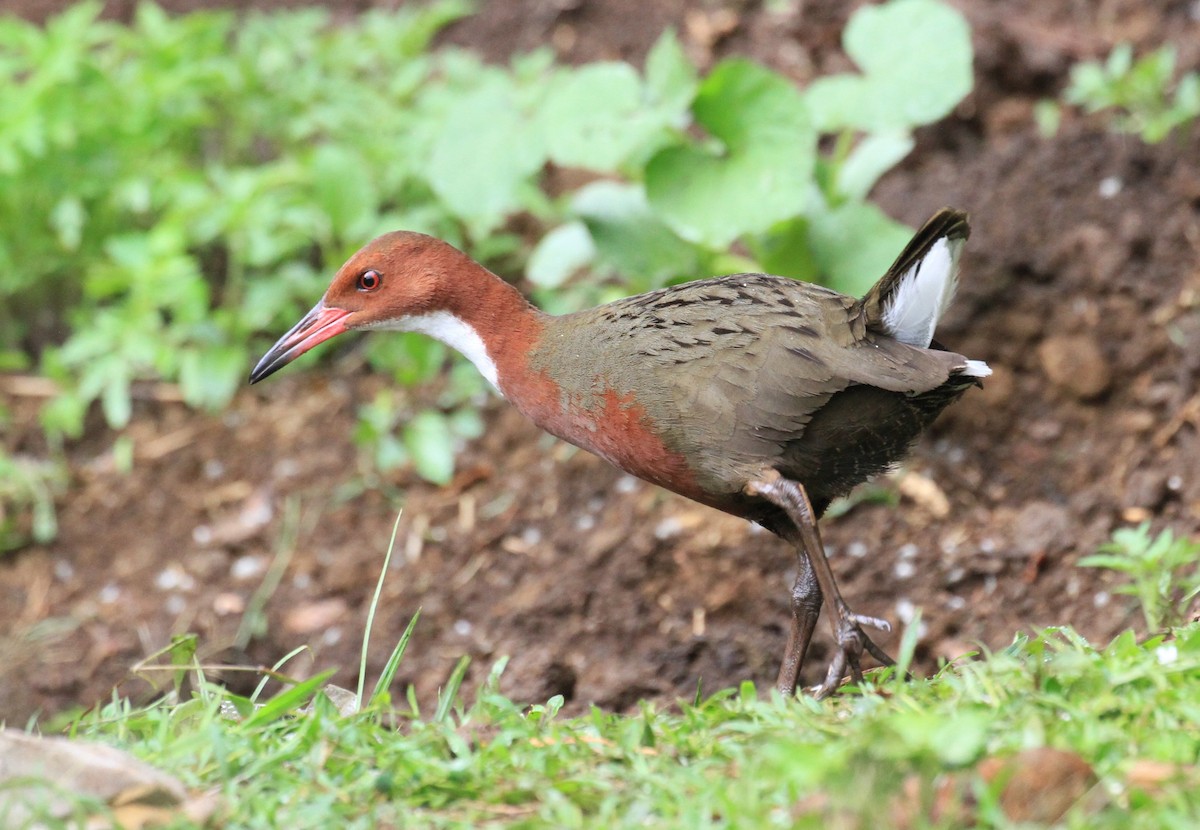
[{"x": 389, "y": 282}]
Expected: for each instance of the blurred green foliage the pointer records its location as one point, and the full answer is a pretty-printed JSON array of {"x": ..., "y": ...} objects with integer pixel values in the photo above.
[
  {"x": 178, "y": 187},
  {"x": 1141, "y": 95},
  {"x": 1162, "y": 572}
]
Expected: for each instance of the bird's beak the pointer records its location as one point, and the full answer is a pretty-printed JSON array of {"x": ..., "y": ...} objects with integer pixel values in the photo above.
[{"x": 318, "y": 325}]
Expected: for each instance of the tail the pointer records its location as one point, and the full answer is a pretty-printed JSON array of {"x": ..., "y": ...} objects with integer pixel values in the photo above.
[{"x": 911, "y": 297}]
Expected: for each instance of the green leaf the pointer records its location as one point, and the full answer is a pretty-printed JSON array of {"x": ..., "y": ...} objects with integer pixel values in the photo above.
[
  {"x": 916, "y": 61},
  {"x": 670, "y": 77},
  {"x": 431, "y": 444},
  {"x": 785, "y": 250},
  {"x": 344, "y": 188},
  {"x": 483, "y": 153},
  {"x": 591, "y": 117},
  {"x": 209, "y": 377},
  {"x": 760, "y": 173},
  {"x": 854, "y": 244},
  {"x": 629, "y": 238},
  {"x": 871, "y": 158},
  {"x": 559, "y": 254}
]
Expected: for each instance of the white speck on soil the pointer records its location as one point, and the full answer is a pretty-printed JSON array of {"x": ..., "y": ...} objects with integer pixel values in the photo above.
[
  {"x": 908, "y": 551},
  {"x": 302, "y": 581},
  {"x": 856, "y": 549},
  {"x": 213, "y": 469},
  {"x": 626, "y": 484},
  {"x": 1109, "y": 186},
  {"x": 905, "y": 610},
  {"x": 286, "y": 468},
  {"x": 1101, "y": 599},
  {"x": 462, "y": 627},
  {"x": 109, "y": 594},
  {"x": 531, "y": 536},
  {"x": 987, "y": 545},
  {"x": 904, "y": 569},
  {"x": 63, "y": 570},
  {"x": 175, "y": 604},
  {"x": 332, "y": 636},
  {"x": 247, "y": 567},
  {"x": 585, "y": 522},
  {"x": 202, "y": 535},
  {"x": 956, "y": 603},
  {"x": 989, "y": 585},
  {"x": 668, "y": 528},
  {"x": 1175, "y": 483},
  {"x": 174, "y": 578}
]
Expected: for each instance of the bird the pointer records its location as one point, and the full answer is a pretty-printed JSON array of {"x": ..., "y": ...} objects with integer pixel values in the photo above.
[{"x": 761, "y": 396}]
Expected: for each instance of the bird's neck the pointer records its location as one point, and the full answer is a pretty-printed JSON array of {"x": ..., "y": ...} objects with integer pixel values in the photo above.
[{"x": 489, "y": 322}]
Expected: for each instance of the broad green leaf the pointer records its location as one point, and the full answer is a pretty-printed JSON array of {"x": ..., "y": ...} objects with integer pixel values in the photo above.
[
  {"x": 209, "y": 376},
  {"x": 870, "y": 159},
  {"x": 785, "y": 250},
  {"x": 759, "y": 174},
  {"x": 559, "y": 254},
  {"x": 670, "y": 77},
  {"x": 629, "y": 238},
  {"x": 915, "y": 56},
  {"x": 431, "y": 444},
  {"x": 591, "y": 117},
  {"x": 344, "y": 189},
  {"x": 854, "y": 244},
  {"x": 483, "y": 153}
]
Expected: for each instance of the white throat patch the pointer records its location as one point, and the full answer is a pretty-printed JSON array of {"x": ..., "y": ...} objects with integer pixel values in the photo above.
[{"x": 451, "y": 330}]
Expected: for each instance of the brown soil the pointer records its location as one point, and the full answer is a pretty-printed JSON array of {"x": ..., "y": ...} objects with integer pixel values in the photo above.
[{"x": 1081, "y": 288}]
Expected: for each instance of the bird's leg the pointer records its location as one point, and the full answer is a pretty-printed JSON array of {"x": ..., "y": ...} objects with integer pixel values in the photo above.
[
  {"x": 806, "y": 609},
  {"x": 847, "y": 626}
]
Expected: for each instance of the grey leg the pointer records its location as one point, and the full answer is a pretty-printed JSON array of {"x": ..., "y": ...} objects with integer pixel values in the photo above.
[
  {"x": 847, "y": 626},
  {"x": 806, "y": 609}
]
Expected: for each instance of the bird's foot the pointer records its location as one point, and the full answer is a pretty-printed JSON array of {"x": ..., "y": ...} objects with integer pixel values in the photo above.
[{"x": 852, "y": 641}]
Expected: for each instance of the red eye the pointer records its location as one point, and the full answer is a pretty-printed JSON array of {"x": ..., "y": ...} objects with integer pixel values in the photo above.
[{"x": 369, "y": 280}]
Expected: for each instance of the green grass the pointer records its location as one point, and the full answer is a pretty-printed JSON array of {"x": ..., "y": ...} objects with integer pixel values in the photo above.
[
  {"x": 737, "y": 759},
  {"x": 893, "y": 753}
]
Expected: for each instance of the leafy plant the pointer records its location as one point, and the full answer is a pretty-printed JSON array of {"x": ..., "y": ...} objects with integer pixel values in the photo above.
[
  {"x": 184, "y": 184},
  {"x": 1142, "y": 95},
  {"x": 1163, "y": 572},
  {"x": 27, "y": 491},
  {"x": 755, "y": 175}
]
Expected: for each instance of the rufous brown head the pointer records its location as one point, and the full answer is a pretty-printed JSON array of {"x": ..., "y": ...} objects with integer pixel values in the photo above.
[{"x": 395, "y": 277}]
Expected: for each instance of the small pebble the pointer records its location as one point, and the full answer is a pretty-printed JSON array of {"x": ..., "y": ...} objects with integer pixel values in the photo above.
[
  {"x": 247, "y": 567},
  {"x": 1109, "y": 186},
  {"x": 668, "y": 528},
  {"x": 173, "y": 578},
  {"x": 1076, "y": 364}
]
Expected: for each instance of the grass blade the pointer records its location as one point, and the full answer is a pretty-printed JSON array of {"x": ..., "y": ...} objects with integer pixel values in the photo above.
[
  {"x": 384, "y": 684},
  {"x": 450, "y": 693},
  {"x": 362, "y": 663}
]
